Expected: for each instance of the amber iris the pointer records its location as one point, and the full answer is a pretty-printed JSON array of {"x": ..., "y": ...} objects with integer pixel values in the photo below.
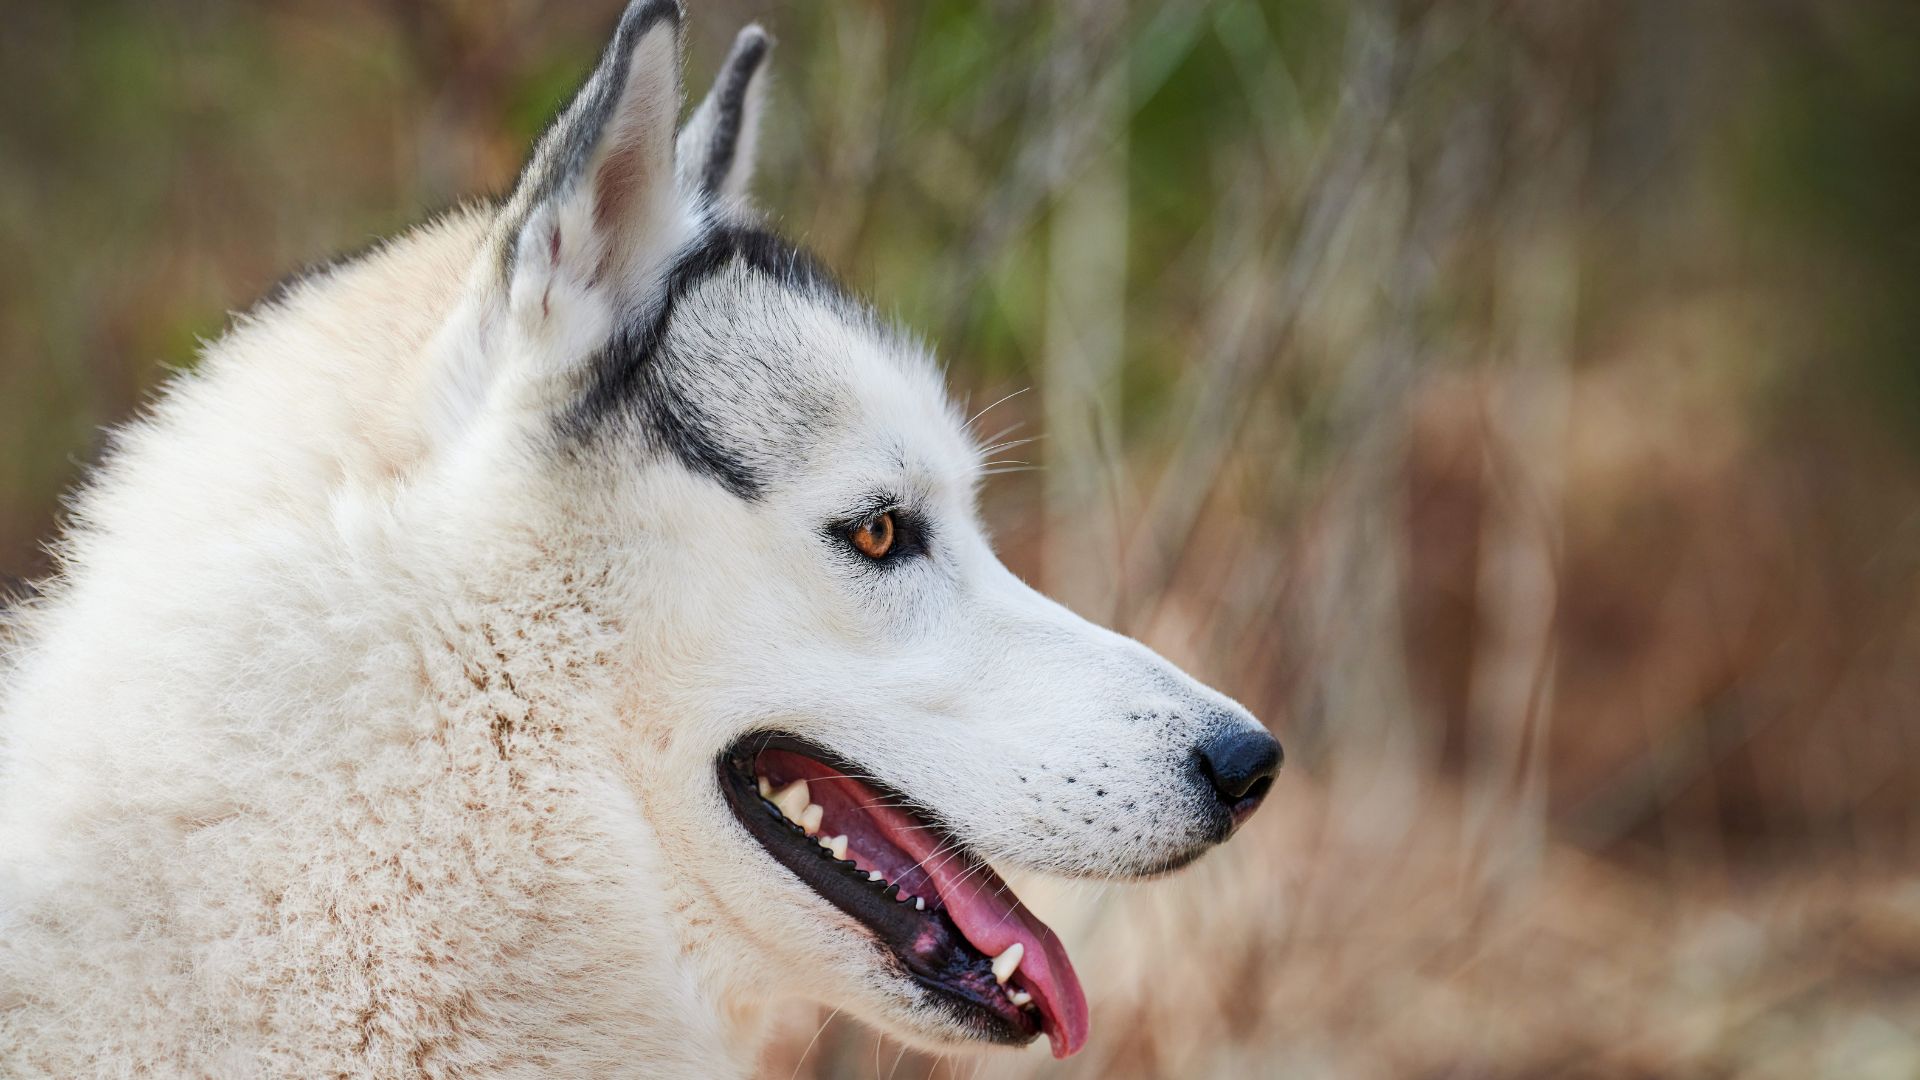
[{"x": 875, "y": 538}]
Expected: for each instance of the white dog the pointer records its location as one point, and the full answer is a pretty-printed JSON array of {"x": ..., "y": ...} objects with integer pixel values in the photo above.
[{"x": 545, "y": 644}]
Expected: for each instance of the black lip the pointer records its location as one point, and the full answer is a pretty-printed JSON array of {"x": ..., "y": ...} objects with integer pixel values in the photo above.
[{"x": 930, "y": 949}]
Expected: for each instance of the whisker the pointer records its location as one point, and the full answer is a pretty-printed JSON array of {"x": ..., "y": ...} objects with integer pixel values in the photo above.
[
  {"x": 810, "y": 1042},
  {"x": 1008, "y": 444},
  {"x": 976, "y": 416},
  {"x": 1005, "y": 431}
]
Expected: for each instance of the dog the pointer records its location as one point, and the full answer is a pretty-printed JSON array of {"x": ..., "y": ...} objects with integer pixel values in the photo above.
[{"x": 545, "y": 644}]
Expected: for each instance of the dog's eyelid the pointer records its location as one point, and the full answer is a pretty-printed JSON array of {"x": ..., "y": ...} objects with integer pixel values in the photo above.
[
  {"x": 906, "y": 531},
  {"x": 868, "y": 509}
]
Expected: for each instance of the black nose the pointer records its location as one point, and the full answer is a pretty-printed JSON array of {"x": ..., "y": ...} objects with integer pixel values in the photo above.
[{"x": 1241, "y": 764}]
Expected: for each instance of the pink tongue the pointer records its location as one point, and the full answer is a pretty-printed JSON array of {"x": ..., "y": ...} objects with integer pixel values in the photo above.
[{"x": 992, "y": 918}]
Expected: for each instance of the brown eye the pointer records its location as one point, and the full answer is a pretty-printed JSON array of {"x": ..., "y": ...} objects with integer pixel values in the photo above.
[{"x": 875, "y": 538}]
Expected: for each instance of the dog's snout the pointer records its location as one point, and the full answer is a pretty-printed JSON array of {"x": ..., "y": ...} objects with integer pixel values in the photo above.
[{"x": 1240, "y": 764}]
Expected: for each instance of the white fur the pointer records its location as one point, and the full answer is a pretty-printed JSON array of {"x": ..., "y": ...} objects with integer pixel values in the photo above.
[{"x": 363, "y": 734}]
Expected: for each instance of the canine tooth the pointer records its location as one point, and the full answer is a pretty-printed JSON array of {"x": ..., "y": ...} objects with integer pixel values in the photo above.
[
  {"x": 766, "y": 789},
  {"x": 1007, "y": 963},
  {"x": 838, "y": 846},
  {"x": 873, "y": 875},
  {"x": 919, "y": 903},
  {"x": 1019, "y": 997},
  {"x": 810, "y": 818},
  {"x": 792, "y": 800}
]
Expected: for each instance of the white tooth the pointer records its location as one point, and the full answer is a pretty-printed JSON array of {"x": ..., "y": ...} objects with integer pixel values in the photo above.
[
  {"x": 792, "y": 799},
  {"x": 766, "y": 789},
  {"x": 1007, "y": 963},
  {"x": 810, "y": 818},
  {"x": 1019, "y": 997},
  {"x": 919, "y": 903},
  {"x": 838, "y": 846},
  {"x": 873, "y": 875}
]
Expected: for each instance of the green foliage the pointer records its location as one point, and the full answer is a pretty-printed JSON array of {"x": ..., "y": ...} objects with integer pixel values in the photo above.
[{"x": 1834, "y": 146}]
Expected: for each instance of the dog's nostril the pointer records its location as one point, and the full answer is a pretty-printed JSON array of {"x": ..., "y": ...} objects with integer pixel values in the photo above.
[{"x": 1241, "y": 765}]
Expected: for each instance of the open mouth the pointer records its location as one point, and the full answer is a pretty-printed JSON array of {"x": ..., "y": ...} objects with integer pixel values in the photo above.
[{"x": 955, "y": 927}]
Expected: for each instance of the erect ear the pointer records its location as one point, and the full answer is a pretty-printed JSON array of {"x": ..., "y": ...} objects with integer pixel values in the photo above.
[
  {"x": 595, "y": 207},
  {"x": 716, "y": 148}
]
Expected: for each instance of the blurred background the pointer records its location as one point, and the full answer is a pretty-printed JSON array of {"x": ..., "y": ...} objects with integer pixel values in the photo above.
[{"x": 1516, "y": 404}]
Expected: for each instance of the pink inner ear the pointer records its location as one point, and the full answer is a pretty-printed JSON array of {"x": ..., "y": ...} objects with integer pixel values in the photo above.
[
  {"x": 553, "y": 261},
  {"x": 620, "y": 185},
  {"x": 623, "y": 173},
  {"x": 613, "y": 185}
]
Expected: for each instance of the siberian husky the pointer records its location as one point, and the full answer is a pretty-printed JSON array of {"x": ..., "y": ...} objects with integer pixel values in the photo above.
[{"x": 549, "y": 642}]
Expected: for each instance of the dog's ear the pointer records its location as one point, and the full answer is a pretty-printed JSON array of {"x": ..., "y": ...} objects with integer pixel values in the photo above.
[
  {"x": 594, "y": 208},
  {"x": 582, "y": 239},
  {"x": 714, "y": 158}
]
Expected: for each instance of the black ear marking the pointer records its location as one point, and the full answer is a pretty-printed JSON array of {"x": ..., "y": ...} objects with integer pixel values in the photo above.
[
  {"x": 582, "y": 133},
  {"x": 730, "y": 100},
  {"x": 564, "y": 151}
]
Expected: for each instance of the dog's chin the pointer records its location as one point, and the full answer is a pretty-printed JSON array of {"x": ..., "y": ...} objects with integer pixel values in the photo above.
[
  {"x": 958, "y": 960},
  {"x": 860, "y": 978},
  {"x": 927, "y": 1019}
]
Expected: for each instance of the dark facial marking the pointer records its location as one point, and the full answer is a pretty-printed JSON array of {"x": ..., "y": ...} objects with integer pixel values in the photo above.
[{"x": 627, "y": 383}]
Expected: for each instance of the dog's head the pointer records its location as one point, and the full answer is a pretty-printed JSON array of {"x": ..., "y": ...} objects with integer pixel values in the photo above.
[{"x": 844, "y": 704}]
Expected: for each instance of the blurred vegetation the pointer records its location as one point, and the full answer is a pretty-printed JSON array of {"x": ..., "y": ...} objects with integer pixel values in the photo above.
[{"x": 1516, "y": 404}]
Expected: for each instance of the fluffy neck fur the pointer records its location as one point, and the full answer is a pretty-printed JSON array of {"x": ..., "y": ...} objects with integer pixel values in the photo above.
[{"x": 312, "y": 761}]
